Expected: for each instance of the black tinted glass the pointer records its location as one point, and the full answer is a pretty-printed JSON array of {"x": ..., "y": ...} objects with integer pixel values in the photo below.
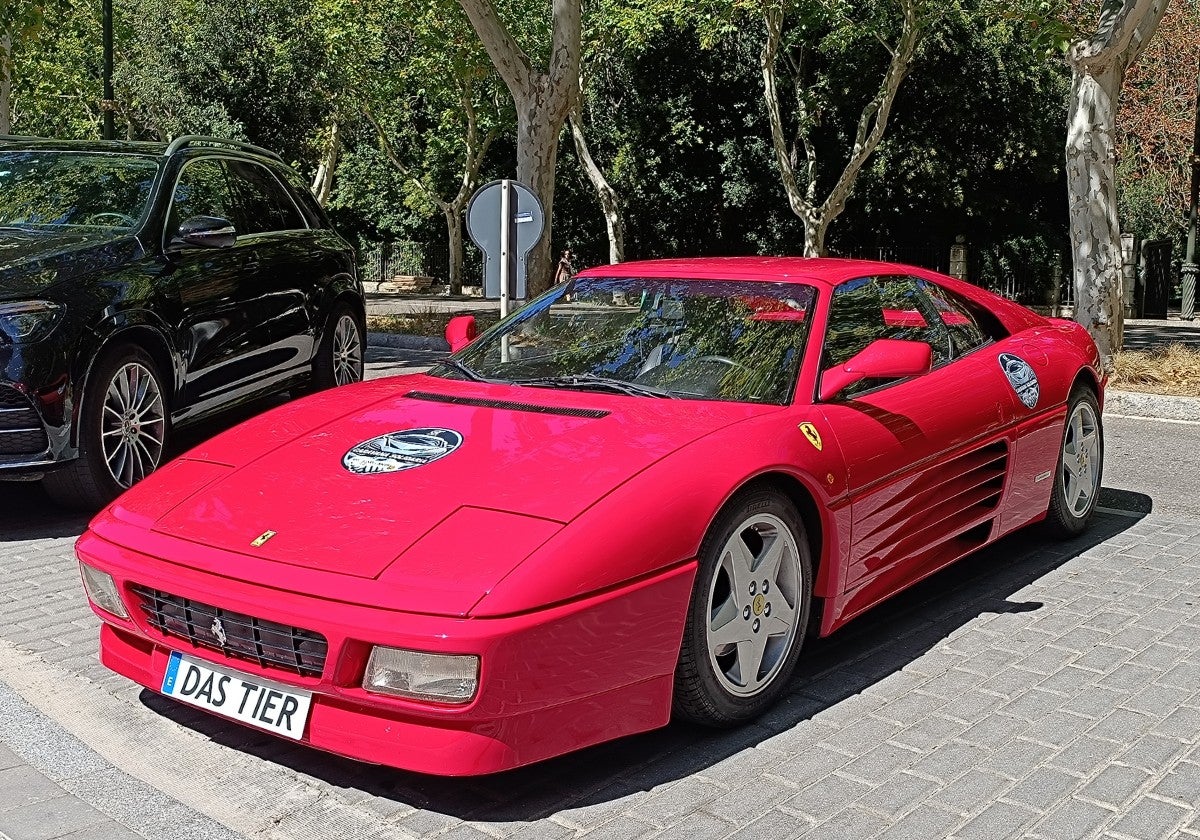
[
  {"x": 202, "y": 190},
  {"x": 265, "y": 205},
  {"x": 74, "y": 189},
  {"x": 965, "y": 332}
]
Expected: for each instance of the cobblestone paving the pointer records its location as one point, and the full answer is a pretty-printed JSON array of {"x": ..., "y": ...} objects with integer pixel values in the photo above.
[{"x": 1048, "y": 690}]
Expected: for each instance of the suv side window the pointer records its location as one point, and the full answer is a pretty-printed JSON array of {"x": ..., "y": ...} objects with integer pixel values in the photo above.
[
  {"x": 965, "y": 333},
  {"x": 202, "y": 190},
  {"x": 869, "y": 308},
  {"x": 264, "y": 204}
]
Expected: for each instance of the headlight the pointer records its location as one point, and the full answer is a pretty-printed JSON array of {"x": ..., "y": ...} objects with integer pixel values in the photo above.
[
  {"x": 422, "y": 676},
  {"x": 27, "y": 321},
  {"x": 102, "y": 591}
]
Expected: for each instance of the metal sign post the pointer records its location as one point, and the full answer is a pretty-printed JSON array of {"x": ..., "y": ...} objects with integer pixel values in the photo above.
[{"x": 505, "y": 220}]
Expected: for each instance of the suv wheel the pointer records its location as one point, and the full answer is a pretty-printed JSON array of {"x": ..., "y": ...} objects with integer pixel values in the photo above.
[
  {"x": 123, "y": 430},
  {"x": 340, "y": 357}
]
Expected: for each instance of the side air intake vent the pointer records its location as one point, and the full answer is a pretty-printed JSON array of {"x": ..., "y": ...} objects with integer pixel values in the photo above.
[{"x": 507, "y": 405}]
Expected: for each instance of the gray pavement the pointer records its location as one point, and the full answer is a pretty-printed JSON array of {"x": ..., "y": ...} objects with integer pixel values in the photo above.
[{"x": 1040, "y": 689}]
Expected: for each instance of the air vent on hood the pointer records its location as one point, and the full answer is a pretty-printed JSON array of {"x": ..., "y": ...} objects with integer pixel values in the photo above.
[{"x": 507, "y": 405}]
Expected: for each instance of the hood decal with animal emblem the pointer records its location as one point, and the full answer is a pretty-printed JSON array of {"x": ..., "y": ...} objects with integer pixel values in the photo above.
[{"x": 401, "y": 450}]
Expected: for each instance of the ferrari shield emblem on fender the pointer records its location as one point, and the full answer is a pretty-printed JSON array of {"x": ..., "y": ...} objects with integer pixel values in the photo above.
[
  {"x": 1022, "y": 379},
  {"x": 401, "y": 450},
  {"x": 810, "y": 432}
]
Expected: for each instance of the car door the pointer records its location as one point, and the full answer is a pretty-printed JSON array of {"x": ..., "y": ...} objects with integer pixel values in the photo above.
[
  {"x": 282, "y": 271},
  {"x": 217, "y": 332},
  {"x": 925, "y": 468}
]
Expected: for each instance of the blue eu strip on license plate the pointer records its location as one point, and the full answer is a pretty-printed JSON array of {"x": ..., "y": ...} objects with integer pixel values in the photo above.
[{"x": 258, "y": 702}]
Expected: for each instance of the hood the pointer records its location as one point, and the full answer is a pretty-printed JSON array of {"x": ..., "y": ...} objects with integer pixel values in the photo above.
[
  {"x": 32, "y": 262},
  {"x": 468, "y": 477}
]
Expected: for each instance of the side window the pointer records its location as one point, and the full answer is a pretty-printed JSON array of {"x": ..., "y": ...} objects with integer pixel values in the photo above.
[
  {"x": 965, "y": 332},
  {"x": 264, "y": 204},
  {"x": 202, "y": 190},
  {"x": 870, "y": 308},
  {"x": 909, "y": 316}
]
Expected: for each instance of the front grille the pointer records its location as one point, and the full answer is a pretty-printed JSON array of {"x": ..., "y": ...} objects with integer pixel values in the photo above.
[
  {"x": 21, "y": 431},
  {"x": 271, "y": 645}
]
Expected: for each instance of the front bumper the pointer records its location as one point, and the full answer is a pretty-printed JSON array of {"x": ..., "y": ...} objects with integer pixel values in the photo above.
[
  {"x": 35, "y": 408},
  {"x": 550, "y": 682}
]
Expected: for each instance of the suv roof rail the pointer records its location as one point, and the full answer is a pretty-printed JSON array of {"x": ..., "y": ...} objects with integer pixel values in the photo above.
[
  {"x": 189, "y": 140},
  {"x": 20, "y": 137}
]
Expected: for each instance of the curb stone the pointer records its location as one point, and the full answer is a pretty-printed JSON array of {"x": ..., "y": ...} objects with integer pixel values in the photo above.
[
  {"x": 1127, "y": 403},
  {"x": 1154, "y": 406}
]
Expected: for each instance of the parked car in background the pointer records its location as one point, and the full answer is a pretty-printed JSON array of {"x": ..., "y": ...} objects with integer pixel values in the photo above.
[
  {"x": 144, "y": 286},
  {"x": 635, "y": 498}
]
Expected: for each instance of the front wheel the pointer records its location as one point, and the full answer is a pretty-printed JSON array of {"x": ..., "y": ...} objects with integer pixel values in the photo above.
[
  {"x": 1080, "y": 466},
  {"x": 123, "y": 427},
  {"x": 748, "y": 613},
  {"x": 340, "y": 355}
]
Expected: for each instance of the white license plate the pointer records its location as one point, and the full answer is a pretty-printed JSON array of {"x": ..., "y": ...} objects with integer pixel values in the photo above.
[{"x": 251, "y": 700}]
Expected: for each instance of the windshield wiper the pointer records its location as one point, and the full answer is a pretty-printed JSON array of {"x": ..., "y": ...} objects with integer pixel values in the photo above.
[
  {"x": 584, "y": 381},
  {"x": 455, "y": 364}
]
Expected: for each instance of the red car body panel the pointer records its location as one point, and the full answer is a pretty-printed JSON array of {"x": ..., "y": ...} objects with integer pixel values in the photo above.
[{"x": 559, "y": 542}]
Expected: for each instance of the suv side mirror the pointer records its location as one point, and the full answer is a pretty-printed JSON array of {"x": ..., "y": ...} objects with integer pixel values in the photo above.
[
  {"x": 206, "y": 232},
  {"x": 884, "y": 358},
  {"x": 460, "y": 332}
]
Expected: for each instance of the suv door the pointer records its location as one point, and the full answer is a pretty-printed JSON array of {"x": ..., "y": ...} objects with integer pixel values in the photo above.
[
  {"x": 283, "y": 274},
  {"x": 219, "y": 331}
]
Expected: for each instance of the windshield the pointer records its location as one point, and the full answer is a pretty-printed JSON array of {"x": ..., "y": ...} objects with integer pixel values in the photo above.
[
  {"x": 40, "y": 189},
  {"x": 690, "y": 339}
]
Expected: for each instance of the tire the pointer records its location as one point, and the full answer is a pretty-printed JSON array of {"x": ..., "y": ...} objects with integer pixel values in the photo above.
[
  {"x": 341, "y": 353},
  {"x": 771, "y": 610},
  {"x": 1080, "y": 467},
  {"x": 124, "y": 429}
]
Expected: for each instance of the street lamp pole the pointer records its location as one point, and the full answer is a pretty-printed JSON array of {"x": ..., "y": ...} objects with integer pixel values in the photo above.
[
  {"x": 106, "y": 104},
  {"x": 1191, "y": 270}
]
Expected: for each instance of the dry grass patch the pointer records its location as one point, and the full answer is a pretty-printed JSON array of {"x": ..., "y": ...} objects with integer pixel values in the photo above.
[
  {"x": 1175, "y": 370},
  {"x": 429, "y": 322}
]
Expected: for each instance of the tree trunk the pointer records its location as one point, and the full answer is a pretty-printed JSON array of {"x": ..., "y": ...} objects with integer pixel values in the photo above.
[
  {"x": 542, "y": 101},
  {"x": 1092, "y": 203},
  {"x": 454, "y": 235},
  {"x": 1098, "y": 66},
  {"x": 6, "y": 83},
  {"x": 609, "y": 201},
  {"x": 323, "y": 182}
]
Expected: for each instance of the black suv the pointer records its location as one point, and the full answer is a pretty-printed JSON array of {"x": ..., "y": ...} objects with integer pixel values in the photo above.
[{"x": 144, "y": 286}]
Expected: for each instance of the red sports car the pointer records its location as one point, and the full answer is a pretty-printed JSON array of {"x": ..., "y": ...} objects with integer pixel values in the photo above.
[{"x": 632, "y": 499}]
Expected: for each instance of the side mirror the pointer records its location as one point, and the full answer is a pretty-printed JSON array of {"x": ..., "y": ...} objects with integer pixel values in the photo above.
[
  {"x": 884, "y": 358},
  {"x": 206, "y": 232},
  {"x": 460, "y": 332}
]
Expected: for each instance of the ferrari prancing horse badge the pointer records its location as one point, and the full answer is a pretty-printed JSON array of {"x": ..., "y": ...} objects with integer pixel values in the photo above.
[{"x": 810, "y": 432}]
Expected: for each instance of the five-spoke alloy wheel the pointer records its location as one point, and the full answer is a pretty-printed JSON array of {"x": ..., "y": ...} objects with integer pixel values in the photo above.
[
  {"x": 1080, "y": 466},
  {"x": 749, "y": 611},
  {"x": 340, "y": 356}
]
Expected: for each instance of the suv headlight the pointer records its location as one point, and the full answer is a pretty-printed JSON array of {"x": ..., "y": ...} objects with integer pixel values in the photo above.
[{"x": 27, "y": 321}]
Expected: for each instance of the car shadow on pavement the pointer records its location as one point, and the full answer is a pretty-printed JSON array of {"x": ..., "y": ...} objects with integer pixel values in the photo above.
[{"x": 873, "y": 647}]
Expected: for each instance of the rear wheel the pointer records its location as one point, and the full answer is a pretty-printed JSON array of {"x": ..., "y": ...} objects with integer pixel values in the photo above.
[
  {"x": 1080, "y": 467},
  {"x": 748, "y": 613},
  {"x": 123, "y": 428},
  {"x": 340, "y": 356}
]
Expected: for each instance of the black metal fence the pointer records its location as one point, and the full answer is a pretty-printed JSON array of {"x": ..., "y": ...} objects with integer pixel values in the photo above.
[{"x": 383, "y": 261}]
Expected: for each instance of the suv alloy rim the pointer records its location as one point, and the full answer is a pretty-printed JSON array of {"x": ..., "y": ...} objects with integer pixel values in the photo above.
[
  {"x": 132, "y": 425},
  {"x": 347, "y": 351}
]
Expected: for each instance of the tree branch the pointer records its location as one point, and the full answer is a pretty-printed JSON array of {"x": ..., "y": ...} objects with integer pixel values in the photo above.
[
  {"x": 1119, "y": 27},
  {"x": 510, "y": 60},
  {"x": 773, "y": 19}
]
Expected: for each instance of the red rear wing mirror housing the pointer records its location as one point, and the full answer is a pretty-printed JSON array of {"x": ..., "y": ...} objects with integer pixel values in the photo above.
[{"x": 884, "y": 358}]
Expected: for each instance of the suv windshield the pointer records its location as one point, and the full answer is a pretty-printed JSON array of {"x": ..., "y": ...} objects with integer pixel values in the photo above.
[
  {"x": 74, "y": 189},
  {"x": 691, "y": 339}
]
